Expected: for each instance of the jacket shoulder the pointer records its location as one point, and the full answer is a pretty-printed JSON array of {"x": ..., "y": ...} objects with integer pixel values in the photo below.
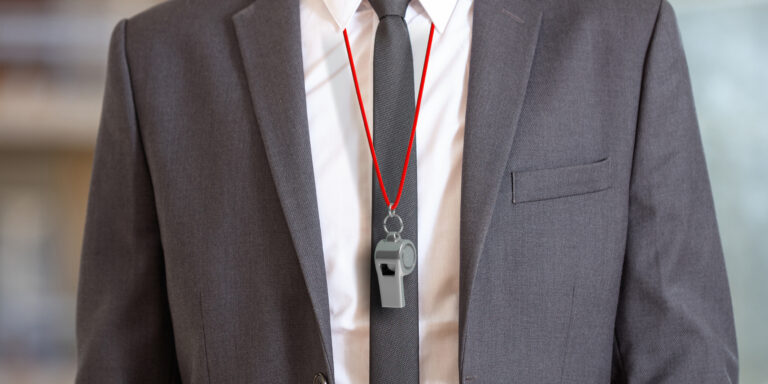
[
  {"x": 605, "y": 8},
  {"x": 623, "y": 22},
  {"x": 177, "y": 22},
  {"x": 175, "y": 14},
  {"x": 175, "y": 33}
]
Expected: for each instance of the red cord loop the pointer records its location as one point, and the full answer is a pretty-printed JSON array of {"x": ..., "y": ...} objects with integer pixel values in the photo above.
[{"x": 392, "y": 206}]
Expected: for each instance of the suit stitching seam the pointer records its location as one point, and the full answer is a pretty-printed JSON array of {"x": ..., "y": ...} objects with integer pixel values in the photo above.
[
  {"x": 620, "y": 362},
  {"x": 638, "y": 121},
  {"x": 568, "y": 333},
  {"x": 173, "y": 365},
  {"x": 205, "y": 341}
]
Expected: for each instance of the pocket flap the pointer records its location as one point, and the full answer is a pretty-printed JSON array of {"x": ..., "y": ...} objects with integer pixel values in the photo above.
[{"x": 552, "y": 183}]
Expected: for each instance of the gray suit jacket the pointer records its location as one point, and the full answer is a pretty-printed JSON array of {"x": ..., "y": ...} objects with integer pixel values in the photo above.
[{"x": 589, "y": 246}]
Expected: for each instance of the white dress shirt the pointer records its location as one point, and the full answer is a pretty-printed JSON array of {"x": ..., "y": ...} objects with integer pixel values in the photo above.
[{"x": 342, "y": 170}]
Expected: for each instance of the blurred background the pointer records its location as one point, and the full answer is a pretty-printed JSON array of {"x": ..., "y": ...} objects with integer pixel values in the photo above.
[{"x": 52, "y": 71}]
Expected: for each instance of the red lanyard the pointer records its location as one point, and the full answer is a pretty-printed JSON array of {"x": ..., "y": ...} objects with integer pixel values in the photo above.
[{"x": 415, "y": 119}]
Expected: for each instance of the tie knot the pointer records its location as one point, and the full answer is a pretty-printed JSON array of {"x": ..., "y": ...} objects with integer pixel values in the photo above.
[{"x": 390, "y": 7}]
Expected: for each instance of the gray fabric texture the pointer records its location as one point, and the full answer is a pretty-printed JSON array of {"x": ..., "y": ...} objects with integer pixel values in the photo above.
[
  {"x": 202, "y": 259},
  {"x": 394, "y": 332}
]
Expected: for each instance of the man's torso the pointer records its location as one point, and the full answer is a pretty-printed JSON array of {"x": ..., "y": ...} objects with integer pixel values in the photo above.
[{"x": 550, "y": 94}]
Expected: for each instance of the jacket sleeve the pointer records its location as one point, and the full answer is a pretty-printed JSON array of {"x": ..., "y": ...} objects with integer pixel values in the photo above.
[
  {"x": 674, "y": 322},
  {"x": 124, "y": 332}
]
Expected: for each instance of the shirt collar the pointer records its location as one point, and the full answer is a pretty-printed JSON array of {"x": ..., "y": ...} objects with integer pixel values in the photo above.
[{"x": 438, "y": 11}]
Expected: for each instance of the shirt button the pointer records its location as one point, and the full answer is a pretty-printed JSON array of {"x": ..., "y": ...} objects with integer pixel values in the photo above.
[{"x": 320, "y": 379}]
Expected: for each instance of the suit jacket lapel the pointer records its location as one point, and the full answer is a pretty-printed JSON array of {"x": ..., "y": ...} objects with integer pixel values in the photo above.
[
  {"x": 504, "y": 35},
  {"x": 269, "y": 37}
]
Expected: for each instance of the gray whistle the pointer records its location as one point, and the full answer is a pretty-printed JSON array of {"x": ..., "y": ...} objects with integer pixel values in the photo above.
[{"x": 393, "y": 259}]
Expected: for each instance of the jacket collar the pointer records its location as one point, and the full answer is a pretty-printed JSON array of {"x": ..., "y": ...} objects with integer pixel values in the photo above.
[{"x": 438, "y": 11}]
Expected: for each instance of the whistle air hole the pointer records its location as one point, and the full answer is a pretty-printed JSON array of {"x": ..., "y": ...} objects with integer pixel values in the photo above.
[{"x": 386, "y": 271}]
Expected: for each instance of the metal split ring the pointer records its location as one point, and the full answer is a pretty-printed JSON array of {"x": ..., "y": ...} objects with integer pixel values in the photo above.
[{"x": 392, "y": 214}]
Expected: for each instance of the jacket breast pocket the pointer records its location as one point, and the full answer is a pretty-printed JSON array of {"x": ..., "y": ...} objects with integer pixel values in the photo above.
[{"x": 552, "y": 183}]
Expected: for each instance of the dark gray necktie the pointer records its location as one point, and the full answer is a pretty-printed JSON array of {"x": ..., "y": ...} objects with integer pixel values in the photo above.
[{"x": 394, "y": 355}]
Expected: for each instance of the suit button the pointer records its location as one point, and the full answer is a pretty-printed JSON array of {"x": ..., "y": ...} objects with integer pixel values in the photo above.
[{"x": 320, "y": 379}]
